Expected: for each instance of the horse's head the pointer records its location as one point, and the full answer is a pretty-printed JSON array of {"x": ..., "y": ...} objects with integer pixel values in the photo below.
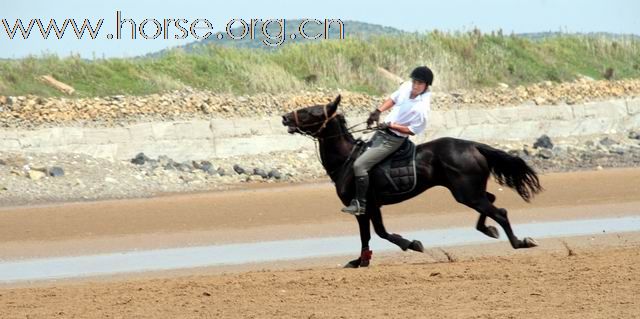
[{"x": 310, "y": 120}]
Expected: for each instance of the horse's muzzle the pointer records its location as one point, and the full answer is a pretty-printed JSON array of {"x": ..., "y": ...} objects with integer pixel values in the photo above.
[{"x": 288, "y": 123}]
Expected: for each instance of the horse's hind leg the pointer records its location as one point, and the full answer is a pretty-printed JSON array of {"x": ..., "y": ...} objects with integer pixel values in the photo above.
[
  {"x": 378, "y": 226},
  {"x": 490, "y": 197},
  {"x": 500, "y": 216},
  {"x": 470, "y": 192},
  {"x": 481, "y": 225},
  {"x": 487, "y": 230}
]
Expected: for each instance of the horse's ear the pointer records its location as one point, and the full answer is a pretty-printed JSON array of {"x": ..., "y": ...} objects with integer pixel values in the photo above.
[{"x": 333, "y": 106}]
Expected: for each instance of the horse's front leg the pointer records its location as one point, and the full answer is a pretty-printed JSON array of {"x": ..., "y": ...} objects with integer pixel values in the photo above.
[
  {"x": 365, "y": 236},
  {"x": 378, "y": 226}
]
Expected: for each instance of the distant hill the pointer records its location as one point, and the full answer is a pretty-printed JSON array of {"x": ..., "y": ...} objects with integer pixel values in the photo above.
[
  {"x": 606, "y": 35},
  {"x": 352, "y": 29}
]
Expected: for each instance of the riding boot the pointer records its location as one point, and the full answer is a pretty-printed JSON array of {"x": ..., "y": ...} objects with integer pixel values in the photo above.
[{"x": 359, "y": 203}]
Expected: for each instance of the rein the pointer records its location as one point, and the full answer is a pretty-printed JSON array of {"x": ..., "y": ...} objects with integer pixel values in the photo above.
[
  {"x": 315, "y": 138},
  {"x": 324, "y": 122}
]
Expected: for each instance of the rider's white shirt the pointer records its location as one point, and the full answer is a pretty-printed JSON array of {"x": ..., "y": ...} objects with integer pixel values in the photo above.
[{"x": 412, "y": 113}]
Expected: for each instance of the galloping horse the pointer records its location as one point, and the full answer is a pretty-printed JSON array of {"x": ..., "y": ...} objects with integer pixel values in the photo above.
[{"x": 462, "y": 166}]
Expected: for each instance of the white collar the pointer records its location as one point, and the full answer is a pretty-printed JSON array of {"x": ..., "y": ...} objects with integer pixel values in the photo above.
[{"x": 420, "y": 96}]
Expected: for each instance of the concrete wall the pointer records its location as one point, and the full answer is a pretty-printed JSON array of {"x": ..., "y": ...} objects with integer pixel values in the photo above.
[
  {"x": 529, "y": 122},
  {"x": 200, "y": 139}
]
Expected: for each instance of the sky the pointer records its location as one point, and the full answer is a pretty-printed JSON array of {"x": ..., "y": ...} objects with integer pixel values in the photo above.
[{"x": 518, "y": 16}]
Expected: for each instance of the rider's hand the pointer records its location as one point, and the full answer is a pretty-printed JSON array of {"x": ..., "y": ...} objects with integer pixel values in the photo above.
[
  {"x": 383, "y": 126},
  {"x": 373, "y": 117}
]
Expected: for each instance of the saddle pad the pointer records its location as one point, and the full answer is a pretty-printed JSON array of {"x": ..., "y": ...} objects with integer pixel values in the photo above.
[{"x": 396, "y": 174}]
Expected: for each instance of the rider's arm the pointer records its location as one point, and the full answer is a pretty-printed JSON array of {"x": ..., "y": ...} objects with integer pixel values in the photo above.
[
  {"x": 401, "y": 128},
  {"x": 403, "y": 90},
  {"x": 387, "y": 104}
]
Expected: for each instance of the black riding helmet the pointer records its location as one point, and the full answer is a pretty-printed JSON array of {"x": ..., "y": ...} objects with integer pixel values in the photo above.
[{"x": 422, "y": 73}]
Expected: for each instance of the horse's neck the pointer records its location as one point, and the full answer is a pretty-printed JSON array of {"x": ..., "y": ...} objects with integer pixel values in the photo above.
[{"x": 335, "y": 147}]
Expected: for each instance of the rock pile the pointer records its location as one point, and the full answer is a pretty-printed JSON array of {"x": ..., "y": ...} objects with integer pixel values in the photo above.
[
  {"x": 37, "y": 178},
  {"x": 33, "y": 111},
  {"x": 545, "y": 93},
  {"x": 165, "y": 163}
]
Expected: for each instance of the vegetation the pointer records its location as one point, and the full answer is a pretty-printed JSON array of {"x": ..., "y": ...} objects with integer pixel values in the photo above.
[{"x": 460, "y": 60}]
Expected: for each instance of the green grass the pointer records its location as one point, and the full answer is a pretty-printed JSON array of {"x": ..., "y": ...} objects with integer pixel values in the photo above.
[{"x": 461, "y": 60}]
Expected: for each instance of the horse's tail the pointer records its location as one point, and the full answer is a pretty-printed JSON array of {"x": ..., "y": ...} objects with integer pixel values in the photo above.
[{"x": 511, "y": 171}]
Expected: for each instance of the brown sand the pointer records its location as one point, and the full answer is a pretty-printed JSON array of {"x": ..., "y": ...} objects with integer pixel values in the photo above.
[
  {"x": 592, "y": 283},
  {"x": 596, "y": 277}
]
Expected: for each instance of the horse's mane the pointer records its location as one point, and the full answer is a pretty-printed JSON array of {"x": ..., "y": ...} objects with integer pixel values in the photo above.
[{"x": 343, "y": 123}]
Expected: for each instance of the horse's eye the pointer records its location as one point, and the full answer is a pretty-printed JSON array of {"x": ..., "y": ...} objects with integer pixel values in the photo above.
[{"x": 317, "y": 113}]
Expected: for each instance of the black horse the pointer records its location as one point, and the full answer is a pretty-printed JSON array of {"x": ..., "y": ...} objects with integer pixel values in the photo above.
[{"x": 461, "y": 166}]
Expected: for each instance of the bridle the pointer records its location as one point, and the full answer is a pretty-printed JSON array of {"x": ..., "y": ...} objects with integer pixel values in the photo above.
[{"x": 324, "y": 122}]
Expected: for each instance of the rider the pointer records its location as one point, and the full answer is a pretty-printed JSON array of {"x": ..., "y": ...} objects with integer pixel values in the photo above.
[{"x": 409, "y": 114}]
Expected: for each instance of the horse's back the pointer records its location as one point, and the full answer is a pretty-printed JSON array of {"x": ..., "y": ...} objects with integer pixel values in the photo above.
[
  {"x": 449, "y": 152},
  {"x": 445, "y": 145},
  {"x": 447, "y": 141}
]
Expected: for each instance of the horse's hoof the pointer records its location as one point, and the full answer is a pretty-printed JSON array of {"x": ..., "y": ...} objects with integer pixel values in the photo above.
[
  {"x": 417, "y": 246},
  {"x": 353, "y": 264},
  {"x": 529, "y": 242},
  {"x": 492, "y": 232}
]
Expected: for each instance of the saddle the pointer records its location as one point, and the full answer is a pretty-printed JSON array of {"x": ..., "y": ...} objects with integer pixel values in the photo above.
[{"x": 394, "y": 175}]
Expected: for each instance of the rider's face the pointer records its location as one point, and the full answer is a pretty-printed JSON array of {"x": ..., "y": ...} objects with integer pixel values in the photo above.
[{"x": 418, "y": 87}]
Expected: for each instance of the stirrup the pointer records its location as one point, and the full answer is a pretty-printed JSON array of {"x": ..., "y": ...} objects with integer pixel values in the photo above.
[{"x": 355, "y": 208}]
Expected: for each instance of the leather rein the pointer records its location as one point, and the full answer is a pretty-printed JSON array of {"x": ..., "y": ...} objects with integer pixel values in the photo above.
[{"x": 324, "y": 122}]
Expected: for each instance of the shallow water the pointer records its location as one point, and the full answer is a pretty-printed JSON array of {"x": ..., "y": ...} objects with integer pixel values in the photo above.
[{"x": 217, "y": 255}]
